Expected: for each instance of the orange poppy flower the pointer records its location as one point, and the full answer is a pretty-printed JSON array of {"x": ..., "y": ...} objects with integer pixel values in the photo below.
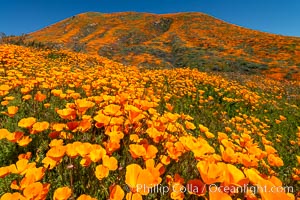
[
  {"x": 101, "y": 172},
  {"x": 146, "y": 105},
  {"x": 25, "y": 156},
  {"x": 75, "y": 95},
  {"x": 33, "y": 191},
  {"x": 47, "y": 105},
  {"x": 62, "y": 193},
  {"x": 234, "y": 176},
  {"x": 72, "y": 125},
  {"x": 282, "y": 118},
  {"x": 83, "y": 149},
  {"x": 101, "y": 120},
  {"x": 71, "y": 149},
  {"x": 137, "y": 150},
  {"x": 196, "y": 186},
  {"x": 46, "y": 187},
  {"x": 134, "y": 196},
  {"x": 4, "y": 171},
  {"x": 39, "y": 127},
  {"x": 56, "y": 152},
  {"x": 270, "y": 150},
  {"x": 169, "y": 106},
  {"x": 156, "y": 135},
  {"x": 67, "y": 113},
  {"x": 56, "y": 92},
  {"x": 15, "y": 136},
  {"x": 165, "y": 159},
  {"x": 65, "y": 135},
  {"x": 134, "y": 113},
  {"x": 4, "y": 103},
  {"x": 54, "y": 134},
  {"x": 190, "y": 125},
  {"x": 112, "y": 110},
  {"x": 9, "y": 98},
  {"x": 177, "y": 192},
  {"x": 156, "y": 171},
  {"x": 115, "y": 135},
  {"x": 175, "y": 150},
  {"x": 117, "y": 120},
  {"x": 171, "y": 117},
  {"x": 25, "y": 90},
  {"x": 151, "y": 152},
  {"x": 84, "y": 125},
  {"x": 298, "y": 158},
  {"x": 62, "y": 96},
  {"x": 37, "y": 173},
  {"x": 176, "y": 185},
  {"x": 110, "y": 162},
  {"x": 26, "y": 122},
  {"x": 26, "y": 97},
  {"x": 49, "y": 163},
  {"x": 253, "y": 175},
  {"x": 276, "y": 194},
  {"x": 97, "y": 154},
  {"x": 134, "y": 138},
  {"x": 116, "y": 192},
  {"x": 24, "y": 141},
  {"x": 85, "y": 162},
  {"x": 222, "y": 136},
  {"x": 11, "y": 111},
  {"x": 209, "y": 134},
  {"x": 172, "y": 128},
  {"x": 136, "y": 177},
  {"x": 249, "y": 194},
  {"x": 248, "y": 160},
  {"x": 276, "y": 181},
  {"x": 215, "y": 193},
  {"x": 3, "y": 133},
  {"x": 177, "y": 179},
  {"x": 15, "y": 196},
  {"x": 39, "y": 96},
  {"x": 228, "y": 129},
  {"x": 4, "y": 88},
  {"x": 275, "y": 160},
  {"x": 267, "y": 185},
  {"x": 211, "y": 172},
  {"x": 20, "y": 167},
  {"x": 58, "y": 126},
  {"x": 83, "y": 105},
  {"x": 111, "y": 147},
  {"x": 14, "y": 185},
  {"x": 56, "y": 142}
]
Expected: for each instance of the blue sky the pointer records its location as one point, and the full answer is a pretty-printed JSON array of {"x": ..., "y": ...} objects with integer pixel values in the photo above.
[{"x": 273, "y": 16}]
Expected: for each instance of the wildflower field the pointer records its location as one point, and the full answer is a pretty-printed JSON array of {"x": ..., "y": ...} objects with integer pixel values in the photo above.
[{"x": 74, "y": 126}]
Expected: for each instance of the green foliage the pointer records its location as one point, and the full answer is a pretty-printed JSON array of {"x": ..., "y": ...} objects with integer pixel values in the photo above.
[
  {"x": 56, "y": 55},
  {"x": 161, "y": 25}
]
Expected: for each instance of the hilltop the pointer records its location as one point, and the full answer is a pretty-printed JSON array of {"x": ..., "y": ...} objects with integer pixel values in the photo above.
[
  {"x": 176, "y": 40},
  {"x": 71, "y": 123}
]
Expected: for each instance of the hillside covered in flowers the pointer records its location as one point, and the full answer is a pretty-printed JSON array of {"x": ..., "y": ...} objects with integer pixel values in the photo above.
[
  {"x": 175, "y": 40},
  {"x": 76, "y": 126}
]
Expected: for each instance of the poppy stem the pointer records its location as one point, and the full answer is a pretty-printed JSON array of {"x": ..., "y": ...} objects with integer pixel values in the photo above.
[{"x": 71, "y": 174}]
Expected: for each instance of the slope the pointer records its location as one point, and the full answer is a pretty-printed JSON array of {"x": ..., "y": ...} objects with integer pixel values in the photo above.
[{"x": 176, "y": 40}]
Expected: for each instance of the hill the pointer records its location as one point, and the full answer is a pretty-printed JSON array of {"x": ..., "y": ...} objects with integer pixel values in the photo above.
[
  {"x": 176, "y": 40},
  {"x": 74, "y": 124}
]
